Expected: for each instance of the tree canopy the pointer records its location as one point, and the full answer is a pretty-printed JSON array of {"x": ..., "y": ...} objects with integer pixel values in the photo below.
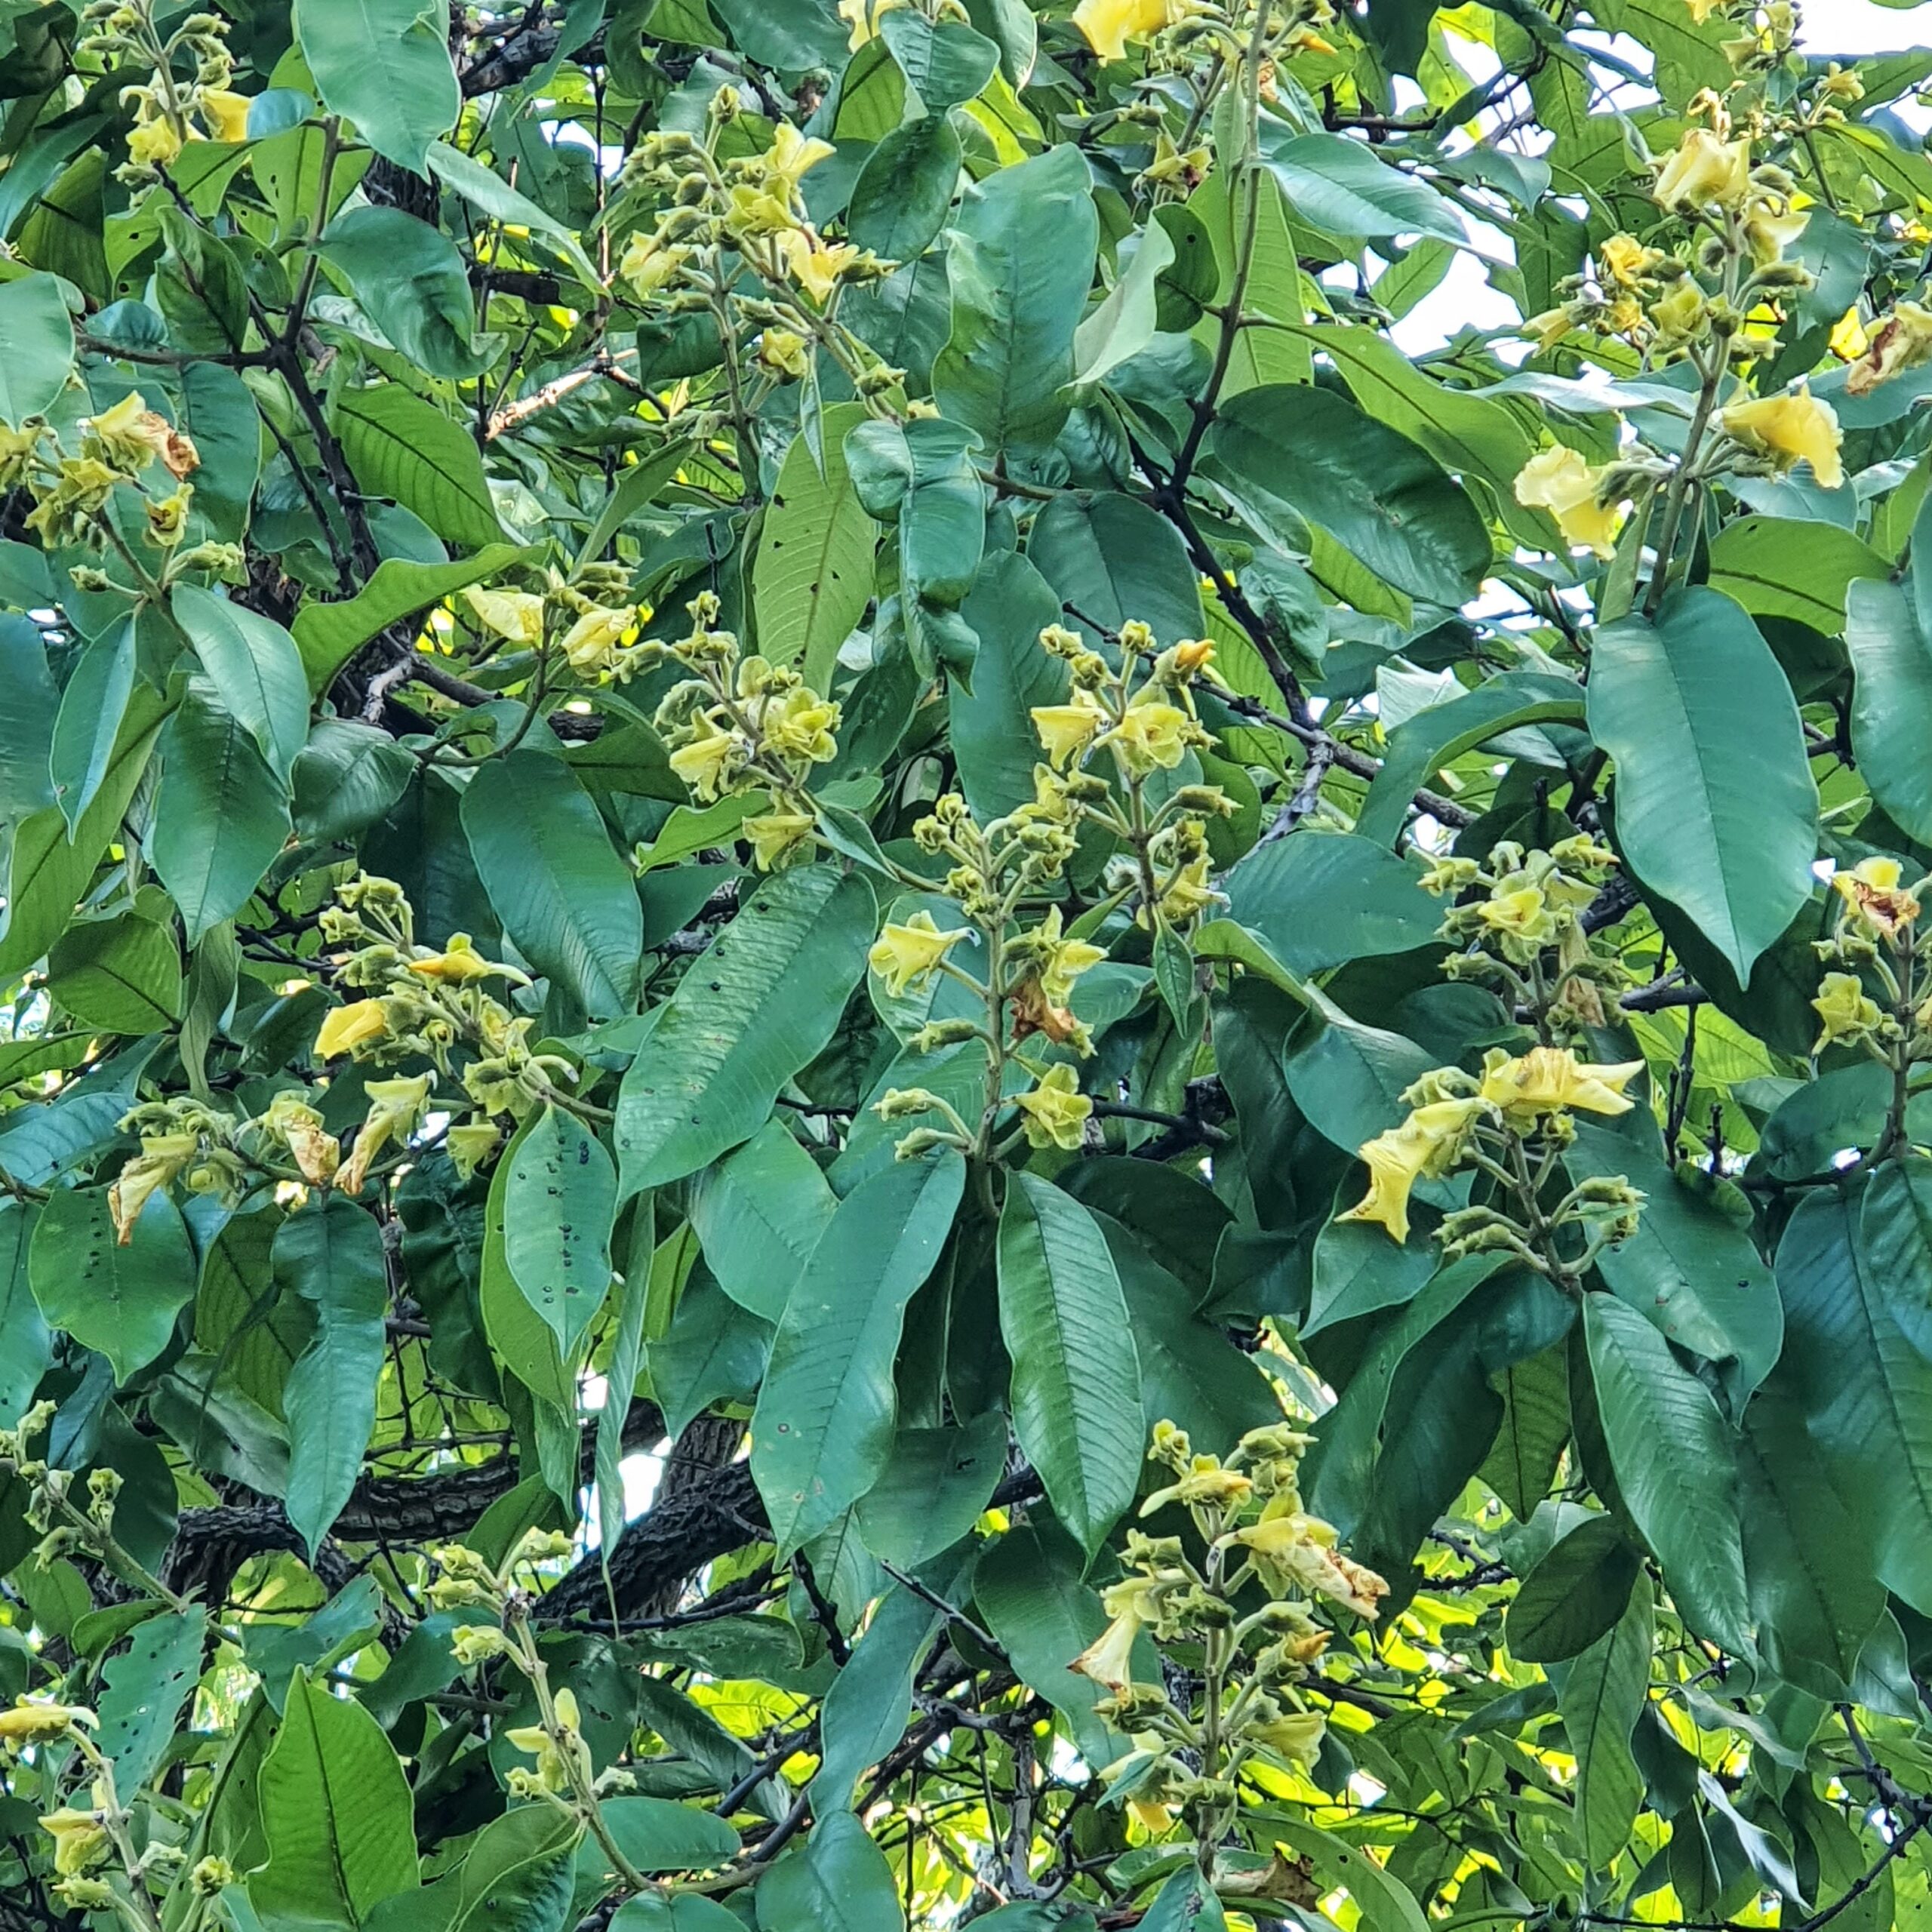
[{"x": 896, "y": 1034}]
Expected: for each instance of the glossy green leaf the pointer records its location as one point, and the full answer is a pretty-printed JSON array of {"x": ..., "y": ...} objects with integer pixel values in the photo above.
[
  {"x": 1779, "y": 567},
  {"x": 253, "y": 663},
  {"x": 1715, "y": 808},
  {"x": 1576, "y": 1592},
  {"x": 36, "y": 346},
  {"x": 122, "y": 975},
  {"x": 411, "y": 282},
  {"x": 1602, "y": 1695},
  {"x": 1891, "y": 700},
  {"x": 401, "y": 447},
  {"x": 758, "y": 1213},
  {"x": 564, "y": 897},
  {"x": 729, "y": 1038},
  {"x": 823, "y": 1425},
  {"x": 122, "y": 1301},
  {"x": 145, "y": 1686},
  {"x": 25, "y": 1346},
  {"x": 1076, "y": 1374},
  {"x": 386, "y": 65},
  {"x": 839, "y": 1882},
  {"x": 900, "y": 200},
  {"x": 330, "y": 1255},
  {"x": 557, "y": 1213},
  {"x": 87, "y": 726}
]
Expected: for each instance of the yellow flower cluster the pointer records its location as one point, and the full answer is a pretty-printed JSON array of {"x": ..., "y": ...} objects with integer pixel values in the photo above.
[
  {"x": 1519, "y": 1093},
  {"x": 1788, "y": 428}
]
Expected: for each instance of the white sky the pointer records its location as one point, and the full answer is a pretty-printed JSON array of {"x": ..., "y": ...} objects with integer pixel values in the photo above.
[{"x": 1464, "y": 297}]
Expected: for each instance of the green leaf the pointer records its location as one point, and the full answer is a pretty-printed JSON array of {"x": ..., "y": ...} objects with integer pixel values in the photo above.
[
  {"x": 1076, "y": 1376},
  {"x": 1891, "y": 701},
  {"x": 757, "y": 1214},
  {"x": 1522, "y": 1463},
  {"x": 1575, "y": 1592},
  {"x": 1675, "y": 1461},
  {"x": 935, "y": 1486},
  {"x": 1319, "y": 899},
  {"x": 520, "y": 1876},
  {"x": 122, "y": 975},
  {"x": 344, "y": 778},
  {"x": 1027, "y": 1586},
  {"x": 36, "y": 346},
  {"x": 1779, "y": 566},
  {"x": 329, "y": 635},
  {"x": 336, "y": 1809},
  {"x": 1113, "y": 558},
  {"x": 1289, "y": 452},
  {"x": 120, "y": 1300},
  {"x": 253, "y": 663},
  {"x": 220, "y": 416},
  {"x": 657, "y": 1836},
  {"x": 1715, "y": 808},
  {"x": 386, "y": 65},
  {"x": 146, "y": 1685},
  {"x": 562, "y": 1198},
  {"x": 1468, "y": 434},
  {"x": 1342, "y": 187},
  {"x": 761, "y": 1002},
  {"x": 220, "y": 813},
  {"x": 1421, "y": 746},
  {"x": 484, "y": 188},
  {"x": 1020, "y": 262},
  {"x": 840, "y": 1882},
  {"x": 1384, "y": 1902},
  {"x": 1348, "y": 1079},
  {"x": 1814, "y": 1600},
  {"x": 397, "y": 445},
  {"x": 1186, "y": 1904},
  {"x": 812, "y": 577},
  {"x": 411, "y": 283},
  {"x": 944, "y": 64},
  {"x": 823, "y": 1426},
  {"x": 1126, "y": 322},
  {"x": 1864, "y": 1390},
  {"x": 993, "y": 737},
  {"x": 88, "y": 725},
  {"x": 1689, "y": 1268},
  {"x": 900, "y": 200},
  {"x": 566, "y": 899},
  {"x": 1602, "y": 1695},
  {"x": 330, "y": 1255},
  {"x": 25, "y": 1346}
]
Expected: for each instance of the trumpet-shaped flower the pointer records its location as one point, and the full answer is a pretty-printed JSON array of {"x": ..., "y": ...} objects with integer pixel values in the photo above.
[
  {"x": 906, "y": 955},
  {"x": 1110, "y": 25},
  {"x": 1792, "y": 428},
  {"x": 1067, "y": 729},
  {"x": 29, "y": 1722},
  {"x": 1844, "y": 1011},
  {"x": 1425, "y": 1145},
  {"x": 395, "y": 1107},
  {"x": 515, "y": 615},
  {"x": 1871, "y": 889},
  {"x": 348, "y": 1027},
  {"x": 1705, "y": 171},
  {"x": 1056, "y": 1111},
  {"x": 1559, "y": 480},
  {"x": 1548, "y": 1080}
]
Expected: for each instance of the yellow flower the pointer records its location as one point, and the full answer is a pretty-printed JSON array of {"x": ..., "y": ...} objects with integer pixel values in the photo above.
[
  {"x": 299, "y": 1126},
  {"x": 905, "y": 956},
  {"x": 1559, "y": 480},
  {"x": 515, "y": 615},
  {"x": 1056, "y": 1110},
  {"x": 395, "y": 1106},
  {"x": 1110, "y": 25},
  {"x": 1549, "y": 327},
  {"x": 706, "y": 761},
  {"x": 1548, "y": 1079},
  {"x": 1768, "y": 234},
  {"x": 1067, "y": 729},
  {"x": 1682, "y": 313},
  {"x": 1701, "y": 11},
  {"x": 224, "y": 113},
  {"x": 131, "y": 435},
  {"x": 1625, "y": 259},
  {"x": 1062, "y": 960},
  {"x": 862, "y": 18},
  {"x": 1870, "y": 888},
  {"x": 162, "y": 1158},
  {"x": 1192, "y": 654},
  {"x": 589, "y": 642},
  {"x": 1302, "y": 1547},
  {"x": 784, "y": 354},
  {"x": 79, "y": 1838},
  {"x": 816, "y": 266},
  {"x": 800, "y": 726},
  {"x": 793, "y": 155},
  {"x": 1108, "y": 1659},
  {"x": 1844, "y": 1010},
  {"x": 459, "y": 962},
  {"x": 1425, "y": 1144},
  {"x": 31, "y": 1723},
  {"x": 775, "y": 836},
  {"x": 552, "y": 1771},
  {"x": 155, "y": 143},
  {"x": 1295, "y": 1735},
  {"x": 1896, "y": 342},
  {"x": 1793, "y": 428},
  {"x": 1188, "y": 893},
  {"x": 1151, "y": 734},
  {"x": 1705, "y": 170},
  {"x": 470, "y": 1145},
  {"x": 478, "y": 1643},
  {"x": 1522, "y": 913},
  {"x": 759, "y": 211},
  {"x": 348, "y": 1026},
  {"x": 1842, "y": 84},
  {"x": 649, "y": 263}
]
